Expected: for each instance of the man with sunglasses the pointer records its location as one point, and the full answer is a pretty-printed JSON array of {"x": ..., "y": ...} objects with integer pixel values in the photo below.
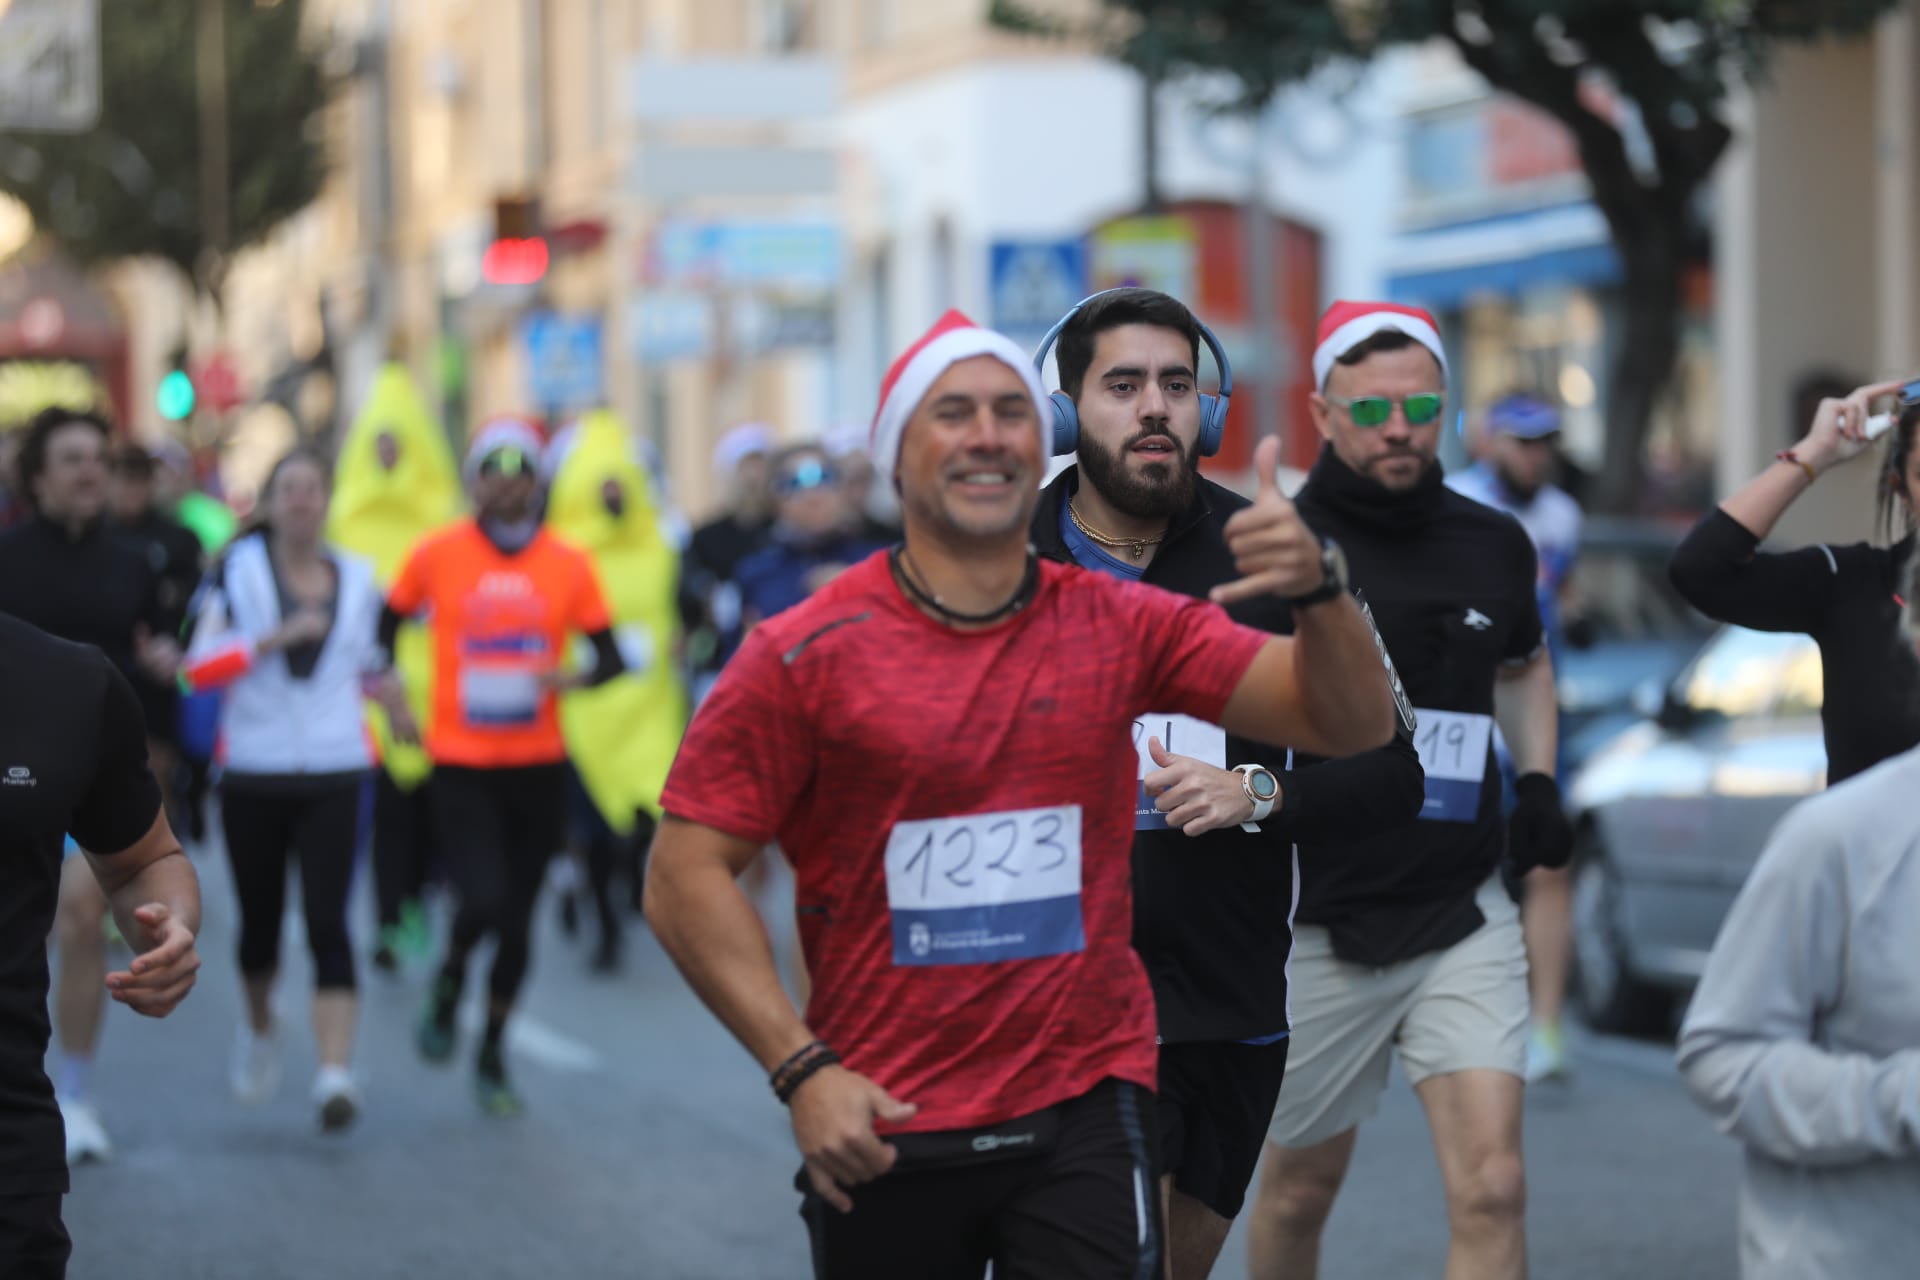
[
  {"x": 1407, "y": 940},
  {"x": 500, "y": 597},
  {"x": 812, "y": 541},
  {"x": 1216, "y": 817}
]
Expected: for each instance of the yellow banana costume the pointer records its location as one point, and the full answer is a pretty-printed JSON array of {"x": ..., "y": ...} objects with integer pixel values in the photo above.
[
  {"x": 394, "y": 482},
  {"x": 623, "y": 735}
]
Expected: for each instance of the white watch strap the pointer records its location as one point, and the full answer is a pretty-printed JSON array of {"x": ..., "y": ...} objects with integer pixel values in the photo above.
[{"x": 1262, "y": 809}]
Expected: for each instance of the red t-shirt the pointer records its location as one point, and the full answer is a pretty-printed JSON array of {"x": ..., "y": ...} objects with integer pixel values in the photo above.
[
  {"x": 498, "y": 622},
  {"x": 958, "y": 807}
]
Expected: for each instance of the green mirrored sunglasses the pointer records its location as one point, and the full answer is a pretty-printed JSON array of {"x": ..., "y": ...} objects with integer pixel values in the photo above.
[{"x": 1372, "y": 411}]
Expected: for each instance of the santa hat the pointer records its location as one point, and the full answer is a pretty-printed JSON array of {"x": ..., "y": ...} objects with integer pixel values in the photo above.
[
  {"x": 496, "y": 434},
  {"x": 740, "y": 444},
  {"x": 1348, "y": 324},
  {"x": 952, "y": 339}
]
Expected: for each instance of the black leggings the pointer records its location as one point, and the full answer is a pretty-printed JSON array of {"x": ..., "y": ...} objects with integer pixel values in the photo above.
[
  {"x": 608, "y": 852},
  {"x": 497, "y": 828},
  {"x": 403, "y": 844},
  {"x": 317, "y": 822}
]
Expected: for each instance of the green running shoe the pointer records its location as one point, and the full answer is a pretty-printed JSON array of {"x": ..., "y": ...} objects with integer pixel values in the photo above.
[
  {"x": 434, "y": 1037},
  {"x": 491, "y": 1088}
]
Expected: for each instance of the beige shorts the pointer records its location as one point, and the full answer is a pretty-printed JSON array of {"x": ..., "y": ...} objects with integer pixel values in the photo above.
[{"x": 1454, "y": 1010}]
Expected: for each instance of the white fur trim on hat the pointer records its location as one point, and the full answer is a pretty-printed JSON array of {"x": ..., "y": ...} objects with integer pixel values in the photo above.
[
  {"x": 911, "y": 381},
  {"x": 503, "y": 433},
  {"x": 1361, "y": 327}
]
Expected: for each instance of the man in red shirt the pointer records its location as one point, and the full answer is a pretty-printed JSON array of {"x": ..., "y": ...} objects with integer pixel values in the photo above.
[
  {"x": 940, "y": 740},
  {"x": 501, "y": 597}
]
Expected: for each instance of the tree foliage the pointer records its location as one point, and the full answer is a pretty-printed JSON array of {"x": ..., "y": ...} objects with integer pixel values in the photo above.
[
  {"x": 1674, "y": 61},
  {"x": 130, "y": 187}
]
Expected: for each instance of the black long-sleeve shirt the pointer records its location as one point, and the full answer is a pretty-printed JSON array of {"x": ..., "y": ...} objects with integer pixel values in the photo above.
[{"x": 1847, "y": 599}]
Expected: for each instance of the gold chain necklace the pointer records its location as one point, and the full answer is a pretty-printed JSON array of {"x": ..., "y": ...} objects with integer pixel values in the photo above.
[{"x": 1137, "y": 545}]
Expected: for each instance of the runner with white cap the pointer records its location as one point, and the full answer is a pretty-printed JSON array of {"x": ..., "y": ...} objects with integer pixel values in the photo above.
[{"x": 500, "y": 596}]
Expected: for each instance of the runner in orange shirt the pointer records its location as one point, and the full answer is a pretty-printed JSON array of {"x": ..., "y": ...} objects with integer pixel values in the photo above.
[{"x": 500, "y": 597}]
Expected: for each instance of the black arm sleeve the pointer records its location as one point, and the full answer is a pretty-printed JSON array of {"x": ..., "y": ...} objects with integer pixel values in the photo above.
[
  {"x": 122, "y": 798},
  {"x": 1720, "y": 570},
  {"x": 389, "y": 630},
  {"x": 1352, "y": 798},
  {"x": 607, "y": 662}
]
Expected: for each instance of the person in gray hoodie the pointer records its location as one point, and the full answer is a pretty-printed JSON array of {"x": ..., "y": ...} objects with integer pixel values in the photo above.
[{"x": 1803, "y": 1039}]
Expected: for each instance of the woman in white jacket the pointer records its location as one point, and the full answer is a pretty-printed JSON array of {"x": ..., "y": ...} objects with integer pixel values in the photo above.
[
  {"x": 289, "y": 627},
  {"x": 1803, "y": 1040}
]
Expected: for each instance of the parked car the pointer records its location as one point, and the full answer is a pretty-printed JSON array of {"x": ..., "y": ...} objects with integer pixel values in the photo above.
[
  {"x": 1624, "y": 625},
  {"x": 1672, "y": 813}
]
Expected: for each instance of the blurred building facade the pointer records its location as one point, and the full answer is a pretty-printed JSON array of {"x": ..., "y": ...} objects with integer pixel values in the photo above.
[
  {"x": 932, "y": 161},
  {"x": 1818, "y": 245}
]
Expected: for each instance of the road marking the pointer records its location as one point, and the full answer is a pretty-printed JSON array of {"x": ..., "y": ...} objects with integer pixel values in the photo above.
[{"x": 539, "y": 1042}]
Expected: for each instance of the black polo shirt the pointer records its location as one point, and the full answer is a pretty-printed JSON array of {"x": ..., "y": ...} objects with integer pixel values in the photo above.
[
  {"x": 1212, "y": 914},
  {"x": 73, "y": 760}
]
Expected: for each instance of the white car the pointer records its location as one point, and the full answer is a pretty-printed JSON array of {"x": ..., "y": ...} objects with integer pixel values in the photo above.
[{"x": 1672, "y": 813}]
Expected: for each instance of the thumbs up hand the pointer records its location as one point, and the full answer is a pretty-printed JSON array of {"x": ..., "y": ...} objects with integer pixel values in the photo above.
[
  {"x": 1196, "y": 797},
  {"x": 1272, "y": 547}
]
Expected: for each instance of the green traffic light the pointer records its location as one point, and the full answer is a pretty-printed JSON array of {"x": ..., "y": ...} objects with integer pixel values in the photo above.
[{"x": 176, "y": 396}]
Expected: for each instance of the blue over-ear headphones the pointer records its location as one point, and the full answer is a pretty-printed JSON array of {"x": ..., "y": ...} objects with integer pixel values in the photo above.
[{"x": 1066, "y": 416}]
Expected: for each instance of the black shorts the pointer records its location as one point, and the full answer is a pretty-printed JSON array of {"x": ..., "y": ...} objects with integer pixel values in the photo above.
[
  {"x": 1215, "y": 1101},
  {"x": 33, "y": 1240},
  {"x": 1067, "y": 1192}
]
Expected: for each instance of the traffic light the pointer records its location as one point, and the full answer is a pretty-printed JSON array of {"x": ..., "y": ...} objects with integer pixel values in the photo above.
[
  {"x": 175, "y": 397},
  {"x": 518, "y": 254}
]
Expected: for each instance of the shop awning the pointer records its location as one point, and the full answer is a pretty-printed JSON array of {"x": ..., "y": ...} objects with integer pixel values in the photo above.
[{"x": 1439, "y": 267}]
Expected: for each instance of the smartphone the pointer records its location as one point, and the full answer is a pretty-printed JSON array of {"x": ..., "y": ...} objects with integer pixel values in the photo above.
[{"x": 1881, "y": 423}]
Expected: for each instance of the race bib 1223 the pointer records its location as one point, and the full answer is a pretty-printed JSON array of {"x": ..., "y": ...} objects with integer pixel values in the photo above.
[{"x": 986, "y": 887}]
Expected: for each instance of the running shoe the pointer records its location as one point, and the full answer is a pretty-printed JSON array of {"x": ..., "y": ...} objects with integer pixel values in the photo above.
[
  {"x": 491, "y": 1087},
  {"x": 86, "y": 1136},
  {"x": 338, "y": 1100},
  {"x": 256, "y": 1066},
  {"x": 435, "y": 1035},
  {"x": 1547, "y": 1058}
]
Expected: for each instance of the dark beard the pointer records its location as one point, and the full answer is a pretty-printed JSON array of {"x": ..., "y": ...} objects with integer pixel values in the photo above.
[{"x": 1161, "y": 492}]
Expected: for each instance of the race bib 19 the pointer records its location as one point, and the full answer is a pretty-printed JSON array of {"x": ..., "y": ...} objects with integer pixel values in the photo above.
[
  {"x": 1183, "y": 736},
  {"x": 1453, "y": 751},
  {"x": 986, "y": 887}
]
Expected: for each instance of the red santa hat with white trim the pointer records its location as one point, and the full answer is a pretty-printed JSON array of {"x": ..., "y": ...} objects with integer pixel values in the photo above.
[
  {"x": 952, "y": 339},
  {"x": 1348, "y": 324},
  {"x": 507, "y": 432}
]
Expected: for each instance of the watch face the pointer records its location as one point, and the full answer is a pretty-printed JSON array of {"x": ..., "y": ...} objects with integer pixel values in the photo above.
[
  {"x": 1334, "y": 562},
  {"x": 1264, "y": 784}
]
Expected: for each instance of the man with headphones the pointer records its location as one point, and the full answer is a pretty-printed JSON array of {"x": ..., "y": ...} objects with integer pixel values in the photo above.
[{"x": 1216, "y": 816}]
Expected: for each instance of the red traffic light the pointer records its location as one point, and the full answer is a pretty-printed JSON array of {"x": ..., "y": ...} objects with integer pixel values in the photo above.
[{"x": 521, "y": 261}]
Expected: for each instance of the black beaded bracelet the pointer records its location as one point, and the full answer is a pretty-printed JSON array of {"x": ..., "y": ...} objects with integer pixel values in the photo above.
[{"x": 785, "y": 1087}]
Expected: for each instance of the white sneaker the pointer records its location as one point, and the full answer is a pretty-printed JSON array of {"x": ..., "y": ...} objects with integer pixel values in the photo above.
[
  {"x": 339, "y": 1101},
  {"x": 256, "y": 1066},
  {"x": 86, "y": 1136}
]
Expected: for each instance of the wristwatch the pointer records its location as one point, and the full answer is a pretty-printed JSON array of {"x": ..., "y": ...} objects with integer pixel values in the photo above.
[
  {"x": 1262, "y": 788},
  {"x": 1333, "y": 576}
]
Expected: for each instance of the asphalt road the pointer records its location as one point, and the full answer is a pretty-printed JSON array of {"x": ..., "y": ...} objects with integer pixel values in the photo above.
[{"x": 650, "y": 1147}]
